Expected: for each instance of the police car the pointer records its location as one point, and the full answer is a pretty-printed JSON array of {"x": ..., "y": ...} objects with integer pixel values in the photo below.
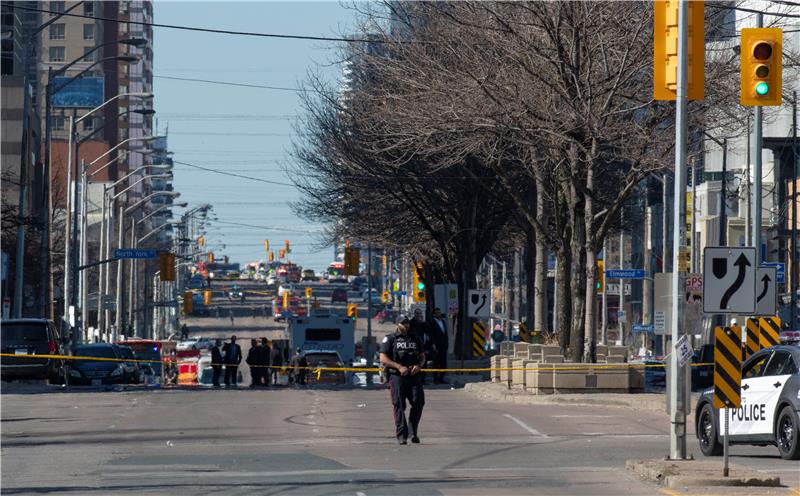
[{"x": 770, "y": 406}]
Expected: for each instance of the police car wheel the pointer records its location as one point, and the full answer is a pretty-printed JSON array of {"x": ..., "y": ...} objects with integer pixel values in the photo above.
[
  {"x": 786, "y": 435},
  {"x": 707, "y": 432}
]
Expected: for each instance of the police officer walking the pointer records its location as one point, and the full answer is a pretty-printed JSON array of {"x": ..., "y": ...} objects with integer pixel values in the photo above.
[{"x": 402, "y": 354}]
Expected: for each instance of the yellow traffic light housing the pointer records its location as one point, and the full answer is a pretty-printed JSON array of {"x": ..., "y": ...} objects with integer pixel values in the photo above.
[
  {"x": 419, "y": 283},
  {"x": 187, "y": 302},
  {"x": 600, "y": 283},
  {"x": 166, "y": 266},
  {"x": 352, "y": 310},
  {"x": 309, "y": 292},
  {"x": 665, "y": 50},
  {"x": 272, "y": 256},
  {"x": 761, "y": 67},
  {"x": 207, "y": 297},
  {"x": 211, "y": 257},
  {"x": 385, "y": 297},
  {"x": 266, "y": 245}
]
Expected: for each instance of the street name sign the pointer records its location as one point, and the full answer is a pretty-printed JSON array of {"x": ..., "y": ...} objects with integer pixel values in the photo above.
[
  {"x": 766, "y": 291},
  {"x": 478, "y": 303},
  {"x": 625, "y": 273},
  {"x": 781, "y": 279},
  {"x": 134, "y": 253},
  {"x": 729, "y": 280},
  {"x": 639, "y": 328}
]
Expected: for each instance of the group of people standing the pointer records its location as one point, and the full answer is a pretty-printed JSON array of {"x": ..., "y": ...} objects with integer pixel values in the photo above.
[
  {"x": 266, "y": 363},
  {"x": 434, "y": 339}
]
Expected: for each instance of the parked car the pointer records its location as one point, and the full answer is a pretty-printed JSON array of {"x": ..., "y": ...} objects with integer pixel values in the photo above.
[
  {"x": 290, "y": 288},
  {"x": 324, "y": 358},
  {"x": 770, "y": 402},
  {"x": 133, "y": 371},
  {"x": 309, "y": 275},
  {"x": 24, "y": 338},
  {"x": 91, "y": 372},
  {"x": 339, "y": 296}
]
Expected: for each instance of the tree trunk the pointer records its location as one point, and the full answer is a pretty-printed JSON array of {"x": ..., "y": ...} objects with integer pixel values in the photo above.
[
  {"x": 589, "y": 321},
  {"x": 578, "y": 281},
  {"x": 540, "y": 310},
  {"x": 563, "y": 312}
]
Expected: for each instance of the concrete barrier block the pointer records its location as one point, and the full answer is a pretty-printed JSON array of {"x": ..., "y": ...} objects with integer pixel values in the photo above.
[
  {"x": 612, "y": 380},
  {"x": 531, "y": 376},
  {"x": 504, "y": 363},
  {"x": 495, "y": 364},
  {"x": 618, "y": 350},
  {"x": 535, "y": 351},
  {"x": 520, "y": 350},
  {"x": 615, "y": 359},
  {"x": 506, "y": 347},
  {"x": 601, "y": 349},
  {"x": 517, "y": 375},
  {"x": 549, "y": 349},
  {"x": 553, "y": 359}
]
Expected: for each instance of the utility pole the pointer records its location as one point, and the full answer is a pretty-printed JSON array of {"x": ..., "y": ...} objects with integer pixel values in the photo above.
[
  {"x": 793, "y": 312},
  {"x": 621, "y": 309},
  {"x": 604, "y": 310},
  {"x": 723, "y": 197},
  {"x": 748, "y": 230},
  {"x": 757, "y": 145},
  {"x": 692, "y": 243},
  {"x": 369, "y": 312},
  {"x": 677, "y": 373}
]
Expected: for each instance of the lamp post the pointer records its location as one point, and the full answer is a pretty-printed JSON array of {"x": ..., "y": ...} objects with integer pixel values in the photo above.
[{"x": 70, "y": 260}]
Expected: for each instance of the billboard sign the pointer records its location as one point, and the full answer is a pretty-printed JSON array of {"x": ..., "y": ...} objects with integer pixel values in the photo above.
[{"x": 87, "y": 92}]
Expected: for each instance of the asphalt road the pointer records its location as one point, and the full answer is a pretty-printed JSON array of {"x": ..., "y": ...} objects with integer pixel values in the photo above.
[{"x": 320, "y": 442}]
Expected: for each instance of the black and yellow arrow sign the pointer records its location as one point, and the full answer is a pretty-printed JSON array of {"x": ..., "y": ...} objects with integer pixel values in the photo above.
[
  {"x": 728, "y": 367},
  {"x": 770, "y": 331},
  {"x": 478, "y": 339},
  {"x": 753, "y": 339}
]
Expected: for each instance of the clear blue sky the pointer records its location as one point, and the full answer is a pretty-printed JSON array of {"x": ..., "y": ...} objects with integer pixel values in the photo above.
[{"x": 242, "y": 130}]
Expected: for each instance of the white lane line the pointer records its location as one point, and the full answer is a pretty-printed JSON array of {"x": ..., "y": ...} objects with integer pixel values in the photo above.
[
  {"x": 359, "y": 493},
  {"x": 585, "y": 416},
  {"x": 525, "y": 426}
]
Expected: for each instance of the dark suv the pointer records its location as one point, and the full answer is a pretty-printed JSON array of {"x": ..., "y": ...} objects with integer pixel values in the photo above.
[
  {"x": 25, "y": 338},
  {"x": 98, "y": 364},
  {"x": 133, "y": 372}
]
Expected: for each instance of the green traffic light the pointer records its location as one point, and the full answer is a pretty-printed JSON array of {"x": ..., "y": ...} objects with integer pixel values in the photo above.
[
  {"x": 420, "y": 286},
  {"x": 762, "y": 88}
]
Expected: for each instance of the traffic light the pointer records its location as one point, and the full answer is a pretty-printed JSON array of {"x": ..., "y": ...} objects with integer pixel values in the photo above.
[
  {"x": 211, "y": 257},
  {"x": 207, "y": 297},
  {"x": 352, "y": 310},
  {"x": 600, "y": 282},
  {"x": 166, "y": 266},
  {"x": 266, "y": 245},
  {"x": 761, "y": 66},
  {"x": 286, "y": 246},
  {"x": 385, "y": 297},
  {"x": 201, "y": 241},
  {"x": 187, "y": 302},
  {"x": 308, "y": 293},
  {"x": 282, "y": 253},
  {"x": 352, "y": 261},
  {"x": 285, "y": 301},
  {"x": 419, "y": 283},
  {"x": 665, "y": 50},
  {"x": 272, "y": 256}
]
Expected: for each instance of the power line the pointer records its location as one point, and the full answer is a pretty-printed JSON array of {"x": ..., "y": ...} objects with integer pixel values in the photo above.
[
  {"x": 228, "y": 83},
  {"x": 203, "y": 30},
  {"x": 267, "y": 228},
  {"x": 277, "y": 183}
]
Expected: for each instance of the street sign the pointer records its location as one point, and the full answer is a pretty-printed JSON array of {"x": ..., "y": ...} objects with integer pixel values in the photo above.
[
  {"x": 727, "y": 367},
  {"x": 683, "y": 349},
  {"x": 770, "y": 331},
  {"x": 478, "y": 303},
  {"x": 478, "y": 339},
  {"x": 753, "y": 337},
  {"x": 134, "y": 253},
  {"x": 766, "y": 291},
  {"x": 729, "y": 280},
  {"x": 625, "y": 273},
  {"x": 781, "y": 279},
  {"x": 660, "y": 319},
  {"x": 639, "y": 328}
]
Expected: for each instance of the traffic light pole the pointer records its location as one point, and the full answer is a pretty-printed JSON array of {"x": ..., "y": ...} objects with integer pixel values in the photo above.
[
  {"x": 369, "y": 312},
  {"x": 757, "y": 169},
  {"x": 677, "y": 373}
]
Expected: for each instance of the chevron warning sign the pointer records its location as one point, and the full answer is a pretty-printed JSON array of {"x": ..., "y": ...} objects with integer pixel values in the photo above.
[
  {"x": 727, "y": 367},
  {"x": 770, "y": 331},
  {"x": 753, "y": 337},
  {"x": 478, "y": 339}
]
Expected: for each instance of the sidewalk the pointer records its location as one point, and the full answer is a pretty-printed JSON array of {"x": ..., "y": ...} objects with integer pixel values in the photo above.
[
  {"x": 494, "y": 391},
  {"x": 699, "y": 473}
]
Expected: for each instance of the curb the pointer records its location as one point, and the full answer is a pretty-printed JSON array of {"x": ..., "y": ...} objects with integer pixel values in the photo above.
[{"x": 690, "y": 473}]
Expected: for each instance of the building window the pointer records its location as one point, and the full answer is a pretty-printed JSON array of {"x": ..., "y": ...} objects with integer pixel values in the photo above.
[
  {"x": 88, "y": 31},
  {"x": 88, "y": 8},
  {"x": 88, "y": 54},
  {"x": 57, "y": 31},
  {"x": 56, "y": 8},
  {"x": 58, "y": 123},
  {"x": 88, "y": 124},
  {"x": 57, "y": 54}
]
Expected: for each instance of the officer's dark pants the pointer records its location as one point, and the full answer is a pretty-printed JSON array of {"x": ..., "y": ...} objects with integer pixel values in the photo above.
[
  {"x": 230, "y": 374},
  {"x": 217, "y": 369},
  {"x": 439, "y": 362},
  {"x": 402, "y": 389}
]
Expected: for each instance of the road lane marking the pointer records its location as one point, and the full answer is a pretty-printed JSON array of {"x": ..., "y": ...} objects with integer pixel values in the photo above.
[
  {"x": 585, "y": 416},
  {"x": 525, "y": 426}
]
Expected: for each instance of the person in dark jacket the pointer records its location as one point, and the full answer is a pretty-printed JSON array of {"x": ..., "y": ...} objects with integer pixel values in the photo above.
[
  {"x": 421, "y": 329},
  {"x": 232, "y": 358},
  {"x": 276, "y": 359},
  {"x": 263, "y": 361},
  {"x": 438, "y": 333},
  {"x": 252, "y": 361},
  {"x": 216, "y": 361}
]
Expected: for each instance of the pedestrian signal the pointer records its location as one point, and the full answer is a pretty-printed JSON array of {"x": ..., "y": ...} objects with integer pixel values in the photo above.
[
  {"x": 187, "y": 302},
  {"x": 207, "y": 297},
  {"x": 600, "y": 282},
  {"x": 166, "y": 266},
  {"x": 286, "y": 246},
  {"x": 419, "y": 283},
  {"x": 352, "y": 311},
  {"x": 761, "y": 67}
]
